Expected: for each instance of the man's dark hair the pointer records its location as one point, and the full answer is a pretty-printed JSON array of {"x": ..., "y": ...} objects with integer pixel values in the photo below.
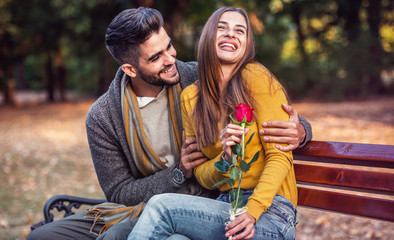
[{"x": 130, "y": 28}]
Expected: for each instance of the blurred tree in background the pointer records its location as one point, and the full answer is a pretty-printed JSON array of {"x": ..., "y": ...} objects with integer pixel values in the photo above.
[{"x": 327, "y": 48}]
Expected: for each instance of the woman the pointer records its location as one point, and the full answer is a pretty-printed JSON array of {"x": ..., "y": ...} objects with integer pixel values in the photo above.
[{"x": 229, "y": 76}]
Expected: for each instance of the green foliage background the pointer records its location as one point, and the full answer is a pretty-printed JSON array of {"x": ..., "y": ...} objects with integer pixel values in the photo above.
[{"x": 327, "y": 49}]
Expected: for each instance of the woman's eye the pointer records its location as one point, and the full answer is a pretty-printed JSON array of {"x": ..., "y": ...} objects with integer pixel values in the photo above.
[{"x": 240, "y": 31}]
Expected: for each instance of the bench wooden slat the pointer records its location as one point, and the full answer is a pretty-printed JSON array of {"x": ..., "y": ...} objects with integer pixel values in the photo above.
[
  {"x": 363, "y": 179},
  {"x": 325, "y": 171},
  {"x": 359, "y": 205},
  {"x": 371, "y": 154}
]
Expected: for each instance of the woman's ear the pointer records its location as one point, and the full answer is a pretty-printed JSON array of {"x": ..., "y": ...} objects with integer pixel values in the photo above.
[{"x": 130, "y": 70}]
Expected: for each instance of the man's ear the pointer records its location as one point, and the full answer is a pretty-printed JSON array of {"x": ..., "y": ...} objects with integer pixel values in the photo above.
[{"x": 129, "y": 69}]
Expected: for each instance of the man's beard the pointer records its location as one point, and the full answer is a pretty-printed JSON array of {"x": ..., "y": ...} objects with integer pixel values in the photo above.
[{"x": 158, "y": 81}]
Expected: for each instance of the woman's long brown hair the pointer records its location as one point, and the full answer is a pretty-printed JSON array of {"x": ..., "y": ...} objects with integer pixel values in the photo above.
[{"x": 211, "y": 103}]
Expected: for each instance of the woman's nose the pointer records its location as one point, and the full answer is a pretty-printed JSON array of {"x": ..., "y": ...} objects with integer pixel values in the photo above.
[{"x": 230, "y": 32}]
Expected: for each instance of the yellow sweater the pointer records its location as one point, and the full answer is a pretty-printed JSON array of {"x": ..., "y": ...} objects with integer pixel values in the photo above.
[{"x": 273, "y": 172}]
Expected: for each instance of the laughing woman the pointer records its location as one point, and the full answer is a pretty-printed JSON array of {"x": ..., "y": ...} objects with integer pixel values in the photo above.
[{"x": 228, "y": 75}]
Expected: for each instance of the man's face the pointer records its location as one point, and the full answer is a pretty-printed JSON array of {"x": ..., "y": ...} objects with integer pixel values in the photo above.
[{"x": 157, "y": 60}]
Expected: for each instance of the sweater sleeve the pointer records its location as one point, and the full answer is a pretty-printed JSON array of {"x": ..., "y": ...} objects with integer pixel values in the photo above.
[
  {"x": 187, "y": 72},
  {"x": 118, "y": 176},
  {"x": 308, "y": 131},
  {"x": 269, "y": 97}
]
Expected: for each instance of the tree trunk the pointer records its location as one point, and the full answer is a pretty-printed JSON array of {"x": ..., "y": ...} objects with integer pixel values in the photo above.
[
  {"x": 375, "y": 49},
  {"x": 9, "y": 87},
  {"x": 21, "y": 82},
  {"x": 296, "y": 15},
  {"x": 173, "y": 16},
  {"x": 49, "y": 79},
  {"x": 106, "y": 75},
  {"x": 61, "y": 75},
  {"x": 349, "y": 11},
  {"x": 7, "y": 83}
]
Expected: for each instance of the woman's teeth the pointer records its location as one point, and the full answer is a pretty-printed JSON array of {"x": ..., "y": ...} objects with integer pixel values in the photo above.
[{"x": 228, "y": 45}]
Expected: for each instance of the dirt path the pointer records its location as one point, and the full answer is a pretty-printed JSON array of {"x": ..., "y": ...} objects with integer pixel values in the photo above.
[{"x": 44, "y": 152}]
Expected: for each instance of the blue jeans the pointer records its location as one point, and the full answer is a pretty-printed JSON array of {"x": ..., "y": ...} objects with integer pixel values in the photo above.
[{"x": 204, "y": 218}]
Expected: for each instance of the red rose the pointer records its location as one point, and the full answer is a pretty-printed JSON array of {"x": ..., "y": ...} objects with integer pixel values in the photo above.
[{"x": 242, "y": 111}]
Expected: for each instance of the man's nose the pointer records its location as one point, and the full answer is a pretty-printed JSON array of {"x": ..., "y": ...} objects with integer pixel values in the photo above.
[{"x": 169, "y": 58}]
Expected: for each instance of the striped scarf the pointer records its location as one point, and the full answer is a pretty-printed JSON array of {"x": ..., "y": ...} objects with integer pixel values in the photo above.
[
  {"x": 110, "y": 214},
  {"x": 142, "y": 152},
  {"x": 144, "y": 156}
]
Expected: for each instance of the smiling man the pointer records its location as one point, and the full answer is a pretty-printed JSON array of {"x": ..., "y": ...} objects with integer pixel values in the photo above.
[{"x": 135, "y": 129}]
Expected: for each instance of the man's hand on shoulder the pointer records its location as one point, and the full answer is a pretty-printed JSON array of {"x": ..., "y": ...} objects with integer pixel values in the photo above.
[{"x": 289, "y": 132}]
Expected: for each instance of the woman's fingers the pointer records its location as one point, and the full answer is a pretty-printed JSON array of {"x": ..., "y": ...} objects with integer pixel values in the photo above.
[
  {"x": 231, "y": 129},
  {"x": 244, "y": 224}
]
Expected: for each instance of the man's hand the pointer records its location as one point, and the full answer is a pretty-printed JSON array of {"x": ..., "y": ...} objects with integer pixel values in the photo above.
[
  {"x": 191, "y": 156},
  {"x": 245, "y": 224},
  {"x": 290, "y": 132}
]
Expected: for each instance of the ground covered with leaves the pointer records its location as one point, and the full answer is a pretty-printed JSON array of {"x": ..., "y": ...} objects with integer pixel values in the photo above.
[{"x": 44, "y": 152}]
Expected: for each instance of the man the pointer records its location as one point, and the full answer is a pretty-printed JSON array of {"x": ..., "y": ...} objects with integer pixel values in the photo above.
[{"x": 134, "y": 129}]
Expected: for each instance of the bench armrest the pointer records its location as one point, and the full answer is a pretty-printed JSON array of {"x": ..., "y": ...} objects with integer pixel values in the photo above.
[{"x": 64, "y": 203}]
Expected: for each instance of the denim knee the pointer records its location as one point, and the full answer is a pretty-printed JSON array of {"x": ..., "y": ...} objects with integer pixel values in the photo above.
[
  {"x": 159, "y": 198},
  {"x": 278, "y": 221}
]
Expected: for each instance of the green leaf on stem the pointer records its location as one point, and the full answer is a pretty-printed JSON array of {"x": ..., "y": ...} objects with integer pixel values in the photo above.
[
  {"x": 233, "y": 193},
  {"x": 235, "y": 160},
  {"x": 234, "y": 173},
  {"x": 244, "y": 166},
  {"x": 254, "y": 159},
  {"x": 222, "y": 166},
  {"x": 240, "y": 202},
  {"x": 236, "y": 149},
  {"x": 250, "y": 124},
  {"x": 229, "y": 181},
  {"x": 250, "y": 139}
]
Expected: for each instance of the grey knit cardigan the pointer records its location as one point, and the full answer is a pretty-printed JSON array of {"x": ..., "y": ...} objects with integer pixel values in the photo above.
[{"x": 117, "y": 174}]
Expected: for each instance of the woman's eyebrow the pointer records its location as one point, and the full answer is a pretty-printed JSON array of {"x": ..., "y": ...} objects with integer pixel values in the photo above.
[{"x": 238, "y": 25}]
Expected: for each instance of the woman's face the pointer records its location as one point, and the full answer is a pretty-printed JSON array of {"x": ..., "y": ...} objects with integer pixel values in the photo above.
[{"x": 231, "y": 37}]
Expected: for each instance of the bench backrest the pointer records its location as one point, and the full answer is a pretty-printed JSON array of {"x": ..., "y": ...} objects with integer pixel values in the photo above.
[{"x": 349, "y": 178}]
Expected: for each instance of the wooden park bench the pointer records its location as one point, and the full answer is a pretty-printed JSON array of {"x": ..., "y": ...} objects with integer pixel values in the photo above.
[{"x": 351, "y": 178}]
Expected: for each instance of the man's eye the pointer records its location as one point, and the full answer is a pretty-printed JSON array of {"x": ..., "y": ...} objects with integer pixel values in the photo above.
[{"x": 155, "y": 58}]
